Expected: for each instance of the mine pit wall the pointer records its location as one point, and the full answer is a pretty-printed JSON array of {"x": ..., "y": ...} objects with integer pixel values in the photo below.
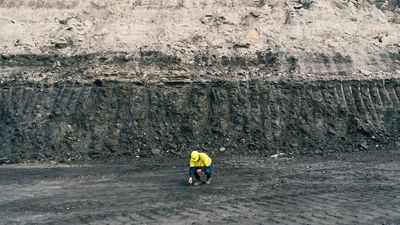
[{"x": 114, "y": 120}]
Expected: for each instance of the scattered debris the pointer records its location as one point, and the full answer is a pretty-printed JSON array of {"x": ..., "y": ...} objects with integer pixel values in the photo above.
[
  {"x": 222, "y": 149},
  {"x": 278, "y": 155}
]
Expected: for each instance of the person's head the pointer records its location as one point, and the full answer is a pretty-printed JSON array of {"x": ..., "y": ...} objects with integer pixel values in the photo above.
[{"x": 194, "y": 156}]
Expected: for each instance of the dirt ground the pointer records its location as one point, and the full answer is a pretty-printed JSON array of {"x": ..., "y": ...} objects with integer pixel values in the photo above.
[{"x": 349, "y": 188}]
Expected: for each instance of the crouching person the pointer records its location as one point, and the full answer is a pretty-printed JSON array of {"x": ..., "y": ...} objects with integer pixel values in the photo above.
[{"x": 200, "y": 162}]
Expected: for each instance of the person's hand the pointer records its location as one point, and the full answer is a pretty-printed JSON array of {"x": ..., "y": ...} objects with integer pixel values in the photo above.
[
  {"x": 190, "y": 180},
  {"x": 198, "y": 170}
]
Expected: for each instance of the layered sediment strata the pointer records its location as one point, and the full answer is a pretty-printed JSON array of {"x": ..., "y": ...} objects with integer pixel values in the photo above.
[{"x": 99, "y": 79}]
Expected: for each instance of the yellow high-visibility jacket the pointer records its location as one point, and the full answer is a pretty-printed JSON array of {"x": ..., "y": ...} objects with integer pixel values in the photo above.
[{"x": 204, "y": 160}]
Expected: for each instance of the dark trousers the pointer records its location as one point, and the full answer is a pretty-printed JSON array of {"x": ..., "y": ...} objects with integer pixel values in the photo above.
[{"x": 206, "y": 169}]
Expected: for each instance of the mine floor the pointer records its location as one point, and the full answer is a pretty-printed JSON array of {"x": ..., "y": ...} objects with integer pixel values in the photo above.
[{"x": 346, "y": 188}]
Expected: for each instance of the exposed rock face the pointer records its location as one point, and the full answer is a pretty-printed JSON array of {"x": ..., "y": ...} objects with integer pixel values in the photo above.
[
  {"x": 121, "y": 119},
  {"x": 103, "y": 79},
  {"x": 150, "y": 40}
]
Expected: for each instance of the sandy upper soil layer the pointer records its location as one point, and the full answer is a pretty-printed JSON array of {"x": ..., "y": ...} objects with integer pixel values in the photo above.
[{"x": 186, "y": 40}]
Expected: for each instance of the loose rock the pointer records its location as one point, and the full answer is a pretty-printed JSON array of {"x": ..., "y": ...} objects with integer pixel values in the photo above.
[
  {"x": 298, "y": 6},
  {"x": 364, "y": 146},
  {"x": 155, "y": 151},
  {"x": 255, "y": 13},
  {"x": 278, "y": 155}
]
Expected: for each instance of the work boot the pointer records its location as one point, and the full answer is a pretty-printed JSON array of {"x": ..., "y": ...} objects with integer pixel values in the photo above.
[
  {"x": 208, "y": 181},
  {"x": 197, "y": 183}
]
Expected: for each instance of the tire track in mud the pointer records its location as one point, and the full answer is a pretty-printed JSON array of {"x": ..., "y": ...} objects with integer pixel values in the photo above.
[
  {"x": 321, "y": 206},
  {"x": 309, "y": 209},
  {"x": 353, "y": 188}
]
